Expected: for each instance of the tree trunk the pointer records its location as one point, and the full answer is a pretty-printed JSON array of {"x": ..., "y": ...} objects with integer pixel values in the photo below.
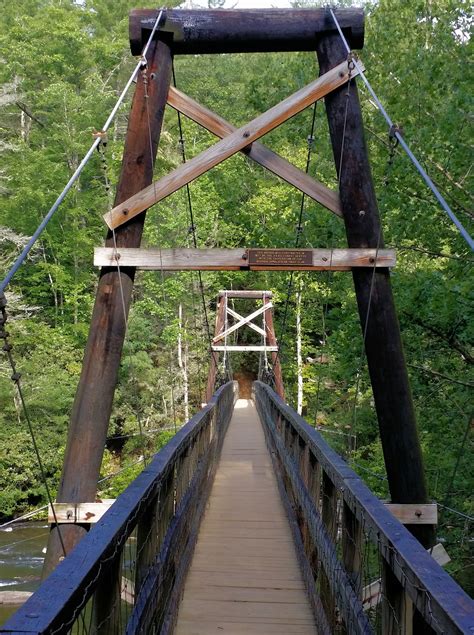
[
  {"x": 299, "y": 358},
  {"x": 183, "y": 362}
]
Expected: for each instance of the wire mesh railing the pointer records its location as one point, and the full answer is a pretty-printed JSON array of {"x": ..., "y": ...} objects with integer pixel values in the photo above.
[
  {"x": 127, "y": 574},
  {"x": 364, "y": 571}
]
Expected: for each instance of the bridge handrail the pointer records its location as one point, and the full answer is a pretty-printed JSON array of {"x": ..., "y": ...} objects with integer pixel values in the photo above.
[
  {"x": 58, "y": 602},
  {"x": 440, "y": 601}
]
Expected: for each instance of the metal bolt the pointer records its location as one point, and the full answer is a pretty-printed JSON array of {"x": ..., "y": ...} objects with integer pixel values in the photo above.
[
  {"x": 362, "y": 213},
  {"x": 324, "y": 259},
  {"x": 246, "y": 134},
  {"x": 125, "y": 212}
]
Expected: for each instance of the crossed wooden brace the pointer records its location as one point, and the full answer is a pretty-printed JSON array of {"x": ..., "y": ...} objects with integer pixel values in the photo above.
[
  {"x": 236, "y": 140},
  {"x": 243, "y": 320}
]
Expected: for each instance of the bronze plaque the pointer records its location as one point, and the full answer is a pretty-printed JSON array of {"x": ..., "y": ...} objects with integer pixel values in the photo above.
[{"x": 280, "y": 257}]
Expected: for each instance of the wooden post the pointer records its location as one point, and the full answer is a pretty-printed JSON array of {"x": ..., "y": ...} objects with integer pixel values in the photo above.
[
  {"x": 383, "y": 346},
  {"x": 329, "y": 518},
  {"x": 272, "y": 341},
  {"x": 397, "y": 608},
  {"x": 94, "y": 396},
  {"x": 352, "y": 546}
]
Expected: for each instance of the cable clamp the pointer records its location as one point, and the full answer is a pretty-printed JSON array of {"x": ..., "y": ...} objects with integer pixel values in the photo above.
[
  {"x": 394, "y": 130},
  {"x": 191, "y": 229},
  {"x": 16, "y": 377},
  {"x": 143, "y": 62},
  {"x": 351, "y": 60},
  {"x": 310, "y": 140},
  {"x": 100, "y": 134}
]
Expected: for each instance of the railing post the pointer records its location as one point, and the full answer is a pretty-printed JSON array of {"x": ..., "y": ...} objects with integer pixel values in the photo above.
[
  {"x": 106, "y": 605},
  {"x": 397, "y": 608},
  {"x": 314, "y": 489},
  {"x": 329, "y": 513},
  {"x": 352, "y": 549},
  {"x": 147, "y": 543},
  {"x": 166, "y": 512},
  {"x": 352, "y": 546},
  {"x": 182, "y": 474}
]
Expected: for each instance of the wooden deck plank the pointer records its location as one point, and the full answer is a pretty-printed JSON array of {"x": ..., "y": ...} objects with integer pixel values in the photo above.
[
  {"x": 244, "y": 577},
  {"x": 231, "y": 628}
]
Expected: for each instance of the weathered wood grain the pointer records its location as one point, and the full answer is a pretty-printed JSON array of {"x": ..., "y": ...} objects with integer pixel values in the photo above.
[
  {"x": 244, "y": 31},
  {"x": 230, "y": 145},
  {"x": 236, "y": 259},
  {"x": 245, "y": 348},
  {"x": 412, "y": 514},
  {"x": 257, "y": 151},
  {"x": 79, "y": 512}
]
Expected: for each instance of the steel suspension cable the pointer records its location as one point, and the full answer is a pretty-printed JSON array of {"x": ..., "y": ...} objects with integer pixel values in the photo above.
[
  {"x": 403, "y": 143},
  {"x": 42, "y": 226}
]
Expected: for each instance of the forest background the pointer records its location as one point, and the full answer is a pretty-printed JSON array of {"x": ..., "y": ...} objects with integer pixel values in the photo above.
[{"x": 63, "y": 64}]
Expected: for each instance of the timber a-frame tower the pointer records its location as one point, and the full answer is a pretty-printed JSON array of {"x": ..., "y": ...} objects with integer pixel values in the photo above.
[
  {"x": 194, "y": 32},
  {"x": 286, "y": 538}
]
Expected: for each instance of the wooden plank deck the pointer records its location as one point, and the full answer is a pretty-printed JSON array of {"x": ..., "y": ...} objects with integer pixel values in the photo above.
[{"x": 244, "y": 577}]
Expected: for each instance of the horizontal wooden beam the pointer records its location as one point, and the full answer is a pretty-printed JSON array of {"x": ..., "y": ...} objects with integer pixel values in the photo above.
[
  {"x": 414, "y": 514},
  {"x": 245, "y": 349},
  {"x": 79, "y": 512},
  {"x": 246, "y": 293},
  {"x": 257, "y": 152},
  {"x": 230, "y": 145},
  {"x": 243, "y": 259},
  {"x": 241, "y": 31}
]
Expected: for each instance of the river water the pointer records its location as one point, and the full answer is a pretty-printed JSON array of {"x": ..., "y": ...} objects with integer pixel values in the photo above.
[{"x": 21, "y": 559}]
